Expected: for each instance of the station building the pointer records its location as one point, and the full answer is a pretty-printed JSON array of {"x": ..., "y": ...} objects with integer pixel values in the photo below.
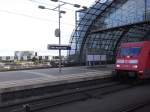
[{"x": 104, "y": 25}]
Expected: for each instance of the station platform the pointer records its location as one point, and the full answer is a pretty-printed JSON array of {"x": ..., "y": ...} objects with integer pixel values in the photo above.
[{"x": 29, "y": 79}]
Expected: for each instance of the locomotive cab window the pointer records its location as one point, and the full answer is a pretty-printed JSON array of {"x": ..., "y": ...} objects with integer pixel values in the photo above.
[{"x": 130, "y": 51}]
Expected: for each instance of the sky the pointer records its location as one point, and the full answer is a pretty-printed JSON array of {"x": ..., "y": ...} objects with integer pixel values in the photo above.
[{"x": 23, "y": 26}]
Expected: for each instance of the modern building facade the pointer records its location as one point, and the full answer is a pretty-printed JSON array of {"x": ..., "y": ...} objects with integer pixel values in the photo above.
[
  {"x": 21, "y": 54},
  {"x": 106, "y": 24}
]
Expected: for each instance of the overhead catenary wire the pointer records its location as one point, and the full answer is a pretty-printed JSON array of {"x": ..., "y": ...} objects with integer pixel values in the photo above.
[{"x": 33, "y": 17}]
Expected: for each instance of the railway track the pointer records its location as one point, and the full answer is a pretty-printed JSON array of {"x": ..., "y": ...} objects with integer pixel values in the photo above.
[
  {"x": 135, "y": 107},
  {"x": 79, "y": 92}
]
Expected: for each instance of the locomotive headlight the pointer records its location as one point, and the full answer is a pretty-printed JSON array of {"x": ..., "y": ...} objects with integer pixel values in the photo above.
[
  {"x": 117, "y": 66},
  {"x": 135, "y": 66}
]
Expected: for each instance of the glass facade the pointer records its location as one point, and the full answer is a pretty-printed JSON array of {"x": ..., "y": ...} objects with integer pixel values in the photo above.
[
  {"x": 104, "y": 26},
  {"x": 129, "y": 12}
]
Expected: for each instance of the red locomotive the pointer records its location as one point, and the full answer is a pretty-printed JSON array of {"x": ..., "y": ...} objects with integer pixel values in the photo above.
[{"x": 133, "y": 60}]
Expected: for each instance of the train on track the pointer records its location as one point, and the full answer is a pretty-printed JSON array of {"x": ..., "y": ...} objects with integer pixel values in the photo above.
[{"x": 133, "y": 60}]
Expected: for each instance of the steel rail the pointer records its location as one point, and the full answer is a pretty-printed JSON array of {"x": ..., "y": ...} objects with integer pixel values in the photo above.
[
  {"x": 65, "y": 97},
  {"x": 135, "y": 107}
]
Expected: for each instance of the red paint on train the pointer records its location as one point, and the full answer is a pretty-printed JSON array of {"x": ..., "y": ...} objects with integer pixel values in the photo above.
[{"x": 133, "y": 59}]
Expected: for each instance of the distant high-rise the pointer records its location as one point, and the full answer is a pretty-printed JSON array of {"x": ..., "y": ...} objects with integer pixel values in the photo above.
[{"x": 22, "y": 54}]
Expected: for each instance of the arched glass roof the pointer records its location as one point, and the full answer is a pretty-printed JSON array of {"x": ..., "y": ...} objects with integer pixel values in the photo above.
[
  {"x": 106, "y": 24},
  {"x": 86, "y": 21}
]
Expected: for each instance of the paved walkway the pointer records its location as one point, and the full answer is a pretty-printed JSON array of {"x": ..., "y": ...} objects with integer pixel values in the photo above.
[{"x": 25, "y": 79}]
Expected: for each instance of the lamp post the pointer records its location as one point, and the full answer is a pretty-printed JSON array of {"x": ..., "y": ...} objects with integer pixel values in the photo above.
[
  {"x": 58, "y": 31},
  {"x": 58, "y": 34},
  {"x": 59, "y": 14}
]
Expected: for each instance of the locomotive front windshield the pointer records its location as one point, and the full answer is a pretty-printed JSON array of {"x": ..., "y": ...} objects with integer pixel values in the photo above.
[{"x": 130, "y": 51}]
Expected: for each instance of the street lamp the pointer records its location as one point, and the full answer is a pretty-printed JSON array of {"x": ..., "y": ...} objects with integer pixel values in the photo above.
[
  {"x": 58, "y": 31},
  {"x": 55, "y": 0},
  {"x": 58, "y": 34},
  {"x": 43, "y": 7},
  {"x": 75, "y": 5}
]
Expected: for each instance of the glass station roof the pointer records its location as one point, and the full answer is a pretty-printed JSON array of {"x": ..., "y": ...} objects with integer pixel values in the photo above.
[{"x": 103, "y": 26}]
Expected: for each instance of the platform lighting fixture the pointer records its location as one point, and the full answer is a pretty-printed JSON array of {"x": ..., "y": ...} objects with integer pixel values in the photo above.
[
  {"x": 41, "y": 7},
  {"x": 63, "y": 12},
  {"x": 54, "y": 0},
  {"x": 84, "y": 7},
  {"x": 75, "y": 5}
]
